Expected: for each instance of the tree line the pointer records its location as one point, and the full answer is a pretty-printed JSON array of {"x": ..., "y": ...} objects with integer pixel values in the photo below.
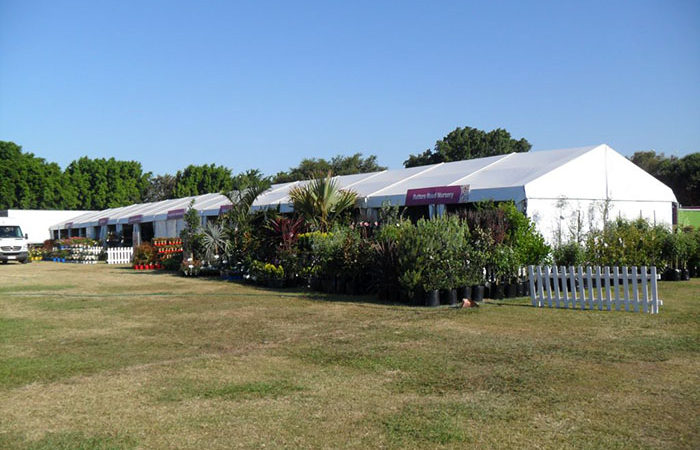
[
  {"x": 682, "y": 175},
  {"x": 30, "y": 182}
]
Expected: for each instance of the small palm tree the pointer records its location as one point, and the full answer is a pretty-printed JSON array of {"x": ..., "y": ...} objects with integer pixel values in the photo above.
[
  {"x": 321, "y": 201},
  {"x": 248, "y": 187}
]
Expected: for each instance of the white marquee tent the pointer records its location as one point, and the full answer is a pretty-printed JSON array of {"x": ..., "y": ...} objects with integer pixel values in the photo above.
[{"x": 557, "y": 189}]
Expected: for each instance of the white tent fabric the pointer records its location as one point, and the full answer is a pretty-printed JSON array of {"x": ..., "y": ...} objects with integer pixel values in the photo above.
[{"x": 538, "y": 181}]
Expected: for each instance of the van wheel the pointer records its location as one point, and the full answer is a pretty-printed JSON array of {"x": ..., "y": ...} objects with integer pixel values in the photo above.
[
  {"x": 25, "y": 261},
  {"x": 4, "y": 262}
]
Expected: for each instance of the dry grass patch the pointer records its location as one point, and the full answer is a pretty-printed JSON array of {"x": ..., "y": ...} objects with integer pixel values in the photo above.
[{"x": 105, "y": 357}]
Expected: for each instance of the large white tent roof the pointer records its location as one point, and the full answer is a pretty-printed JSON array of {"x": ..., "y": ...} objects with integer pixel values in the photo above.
[{"x": 599, "y": 172}]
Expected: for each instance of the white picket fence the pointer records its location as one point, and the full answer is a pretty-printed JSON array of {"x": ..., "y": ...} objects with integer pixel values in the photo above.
[
  {"x": 629, "y": 289},
  {"x": 120, "y": 255}
]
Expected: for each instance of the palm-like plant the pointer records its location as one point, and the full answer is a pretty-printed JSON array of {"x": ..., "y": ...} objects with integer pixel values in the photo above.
[
  {"x": 248, "y": 187},
  {"x": 237, "y": 221},
  {"x": 214, "y": 241},
  {"x": 321, "y": 201}
]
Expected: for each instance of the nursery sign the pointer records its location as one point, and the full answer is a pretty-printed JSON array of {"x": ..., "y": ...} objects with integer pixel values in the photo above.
[
  {"x": 103, "y": 221},
  {"x": 224, "y": 208},
  {"x": 136, "y": 219},
  {"x": 176, "y": 213},
  {"x": 437, "y": 195},
  {"x": 69, "y": 224}
]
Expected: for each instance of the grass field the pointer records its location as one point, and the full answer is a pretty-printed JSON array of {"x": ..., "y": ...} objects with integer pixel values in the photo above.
[{"x": 107, "y": 357}]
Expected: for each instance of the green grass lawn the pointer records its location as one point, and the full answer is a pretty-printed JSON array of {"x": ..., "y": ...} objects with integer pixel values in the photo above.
[{"x": 106, "y": 357}]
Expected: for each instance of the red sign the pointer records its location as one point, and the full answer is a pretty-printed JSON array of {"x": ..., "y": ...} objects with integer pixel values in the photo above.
[
  {"x": 437, "y": 195},
  {"x": 136, "y": 219},
  {"x": 103, "y": 221},
  {"x": 176, "y": 213},
  {"x": 224, "y": 208}
]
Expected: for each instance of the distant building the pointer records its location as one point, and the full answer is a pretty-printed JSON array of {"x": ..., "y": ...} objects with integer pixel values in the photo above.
[{"x": 561, "y": 190}]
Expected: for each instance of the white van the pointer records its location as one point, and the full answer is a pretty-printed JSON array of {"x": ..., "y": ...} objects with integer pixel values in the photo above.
[{"x": 13, "y": 244}]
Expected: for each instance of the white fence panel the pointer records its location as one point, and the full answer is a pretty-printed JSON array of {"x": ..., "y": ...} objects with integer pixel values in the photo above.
[
  {"x": 595, "y": 288},
  {"x": 120, "y": 255}
]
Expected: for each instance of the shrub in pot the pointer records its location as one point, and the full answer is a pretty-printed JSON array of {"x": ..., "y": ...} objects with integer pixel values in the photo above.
[
  {"x": 385, "y": 254},
  {"x": 443, "y": 244},
  {"x": 504, "y": 267},
  {"x": 273, "y": 275},
  {"x": 143, "y": 255},
  {"x": 327, "y": 249},
  {"x": 481, "y": 244},
  {"x": 357, "y": 259}
]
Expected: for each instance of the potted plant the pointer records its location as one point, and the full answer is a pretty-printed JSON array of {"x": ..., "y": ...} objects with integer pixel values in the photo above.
[{"x": 273, "y": 275}]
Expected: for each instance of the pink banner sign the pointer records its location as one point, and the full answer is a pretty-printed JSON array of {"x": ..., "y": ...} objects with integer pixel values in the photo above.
[
  {"x": 136, "y": 219},
  {"x": 224, "y": 208},
  {"x": 437, "y": 195},
  {"x": 103, "y": 221},
  {"x": 176, "y": 213}
]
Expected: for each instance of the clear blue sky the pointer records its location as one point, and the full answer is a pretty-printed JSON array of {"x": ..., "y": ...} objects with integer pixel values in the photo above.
[{"x": 263, "y": 84}]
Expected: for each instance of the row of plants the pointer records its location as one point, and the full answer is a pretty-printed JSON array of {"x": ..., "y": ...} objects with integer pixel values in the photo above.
[
  {"x": 477, "y": 251},
  {"x": 675, "y": 252},
  {"x": 78, "y": 250},
  {"x": 71, "y": 242},
  {"x": 148, "y": 257},
  {"x": 166, "y": 242},
  {"x": 388, "y": 256}
]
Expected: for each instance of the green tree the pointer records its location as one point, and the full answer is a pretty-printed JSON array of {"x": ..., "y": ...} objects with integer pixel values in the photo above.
[
  {"x": 106, "y": 183},
  {"x": 528, "y": 244},
  {"x": 682, "y": 175},
  {"x": 191, "y": 235},
  {"x": 339, "y": 165},
  {"x": 205, "y": 179},
  {"x": 159, "y": 188},
  {"x": 29, "y": 182},
  {"x": 321, "y": 202},
  {"x": 469, "y": 143}
]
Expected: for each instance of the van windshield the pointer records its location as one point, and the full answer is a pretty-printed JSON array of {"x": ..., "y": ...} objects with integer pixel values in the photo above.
[{"x": 10, "y": 231}]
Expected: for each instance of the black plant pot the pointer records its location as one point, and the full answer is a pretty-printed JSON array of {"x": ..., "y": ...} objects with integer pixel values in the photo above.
[
  {"x": 328, "y": 285},
  {"x": 498, "y": 291},
  {"x": 511, "y": 290},
  {"x": 418, "y": 297},
  {"x": 432, "y": 298},
  {"x": 452, "y": 297},
  {"x": 350, "y": 287},
  {"x": 465, "y": 292},
  {"x": 526, "y": 288},
  {"x": 444, "y": 296},
  {"x": 477, "y": 293}
]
